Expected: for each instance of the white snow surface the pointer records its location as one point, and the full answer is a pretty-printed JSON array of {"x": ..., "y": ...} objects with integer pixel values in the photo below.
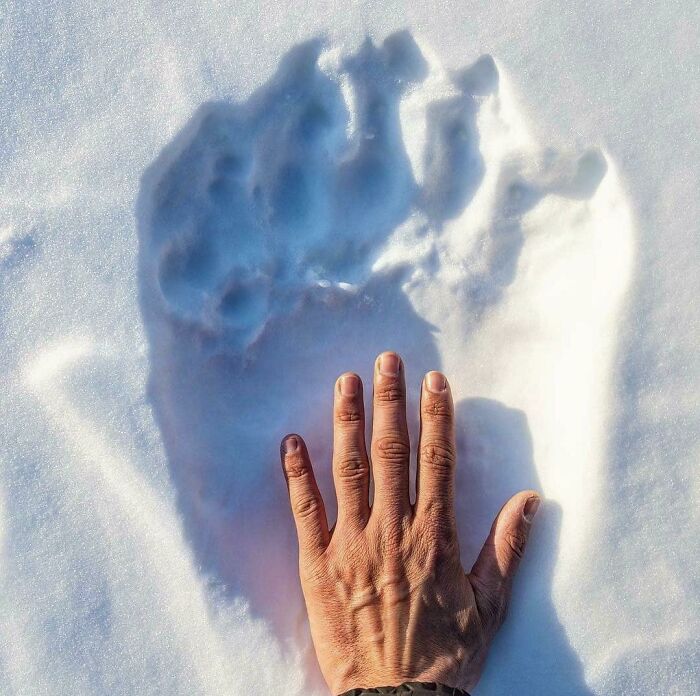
[{"x": 209, "y": 210}]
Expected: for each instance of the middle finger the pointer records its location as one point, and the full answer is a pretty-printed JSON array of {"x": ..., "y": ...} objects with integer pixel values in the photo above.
[{"x": 390, "y": 444}]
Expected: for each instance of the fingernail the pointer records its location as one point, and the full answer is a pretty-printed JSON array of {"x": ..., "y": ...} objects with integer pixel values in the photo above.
[
  {"x": 389, "y": 364},
  {"x": 349, "y": 384},
  {"x": 436, "y": 382},
  {"x": 531, "y": 509},
  {"x": 290, "y": 444}
]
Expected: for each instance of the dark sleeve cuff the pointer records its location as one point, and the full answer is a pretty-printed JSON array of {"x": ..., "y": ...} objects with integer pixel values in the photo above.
[{"x": 410, "y": 689}]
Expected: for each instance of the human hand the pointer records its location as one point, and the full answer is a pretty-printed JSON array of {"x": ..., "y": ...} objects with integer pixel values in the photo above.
[{"x": 387, "y": 597}]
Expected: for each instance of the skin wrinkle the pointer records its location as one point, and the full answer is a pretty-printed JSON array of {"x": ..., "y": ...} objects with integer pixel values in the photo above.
[{"x": 387, "y": 597}]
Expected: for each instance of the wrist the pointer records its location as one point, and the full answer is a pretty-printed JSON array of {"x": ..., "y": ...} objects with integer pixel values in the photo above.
[{"x": 409, "y": 689}]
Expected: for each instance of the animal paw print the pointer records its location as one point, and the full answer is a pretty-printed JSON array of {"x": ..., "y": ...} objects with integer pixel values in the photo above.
[{"x": 299, "y": 189}]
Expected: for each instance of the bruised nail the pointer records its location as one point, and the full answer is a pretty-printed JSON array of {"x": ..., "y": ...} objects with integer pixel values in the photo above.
[
  {"x": 436, "y": 382},
  {"x": 389, "y": 364},
  {"x": 290, "y": 444},
  {"x": 530, "y": 509},
  {"x": 349, "y": 385}
]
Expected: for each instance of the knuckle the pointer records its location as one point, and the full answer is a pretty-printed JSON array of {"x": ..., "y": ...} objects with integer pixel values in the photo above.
[
  {"x": 437, "y": 408},
  {"x": 392, "y": 534},
  {"x": 389, "y": 393},
  {"x": 493, "y": 603},
  {"x": 312, "y": 571},
  {"x": 392, "y": 449},
  {"x": 438, "y": 455},
  {"x": 515, "y": 541},
  {"x": 306, "y": 506},
  {"x": 295, "y": 467},
  {"x": 439, "y": 536},
  {"x": 347, "y": 414},
  {"x": 352, "y": 466}
]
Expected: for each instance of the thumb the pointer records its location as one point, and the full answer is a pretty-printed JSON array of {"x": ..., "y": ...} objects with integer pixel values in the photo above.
[{"x": 495, "y": 568}]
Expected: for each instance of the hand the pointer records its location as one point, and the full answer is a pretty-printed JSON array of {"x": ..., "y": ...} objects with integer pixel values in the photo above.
[{"x": 387, "y": 597}]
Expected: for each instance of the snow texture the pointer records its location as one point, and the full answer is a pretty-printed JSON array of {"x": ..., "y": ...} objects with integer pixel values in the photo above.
[{"x": 210, "y": 212}]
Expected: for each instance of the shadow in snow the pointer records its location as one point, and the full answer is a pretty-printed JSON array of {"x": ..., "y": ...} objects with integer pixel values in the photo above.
[
  {"x": 531, "y": 653},
  {"x": 259, "y": 226}
]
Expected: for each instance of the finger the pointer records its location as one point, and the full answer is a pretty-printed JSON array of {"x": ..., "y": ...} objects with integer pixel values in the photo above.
[
  {"x": 437, "y": 451},
  {"x": 350, "y": 461},
  {"x": 495, "y": 568},
  {"x": 305, "y": 498},
  {"x": 390, "y": 444}
]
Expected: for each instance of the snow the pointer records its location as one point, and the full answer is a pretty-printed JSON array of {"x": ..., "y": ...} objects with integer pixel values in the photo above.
[{"x": 208, "y": 212}]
